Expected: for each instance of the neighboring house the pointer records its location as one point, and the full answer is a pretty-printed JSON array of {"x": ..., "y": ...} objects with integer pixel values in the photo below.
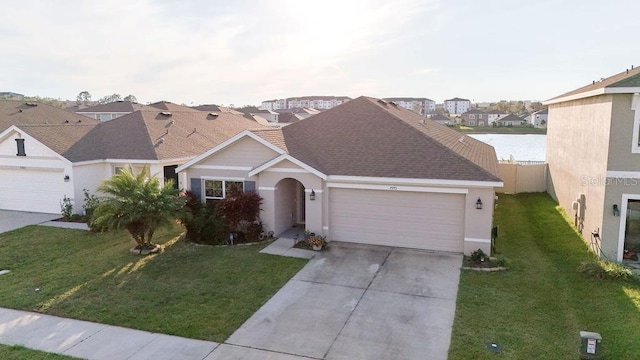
[
  {"x": 475, "y": 117},
  {"x": 441, "y": 119},
  {"x": 593, "y": 152},
  {"x": 457, "y": 106},
  {"x": 47, "y": 154},
  {"x": 367, "y": 171},
  {"x": 109, "y": 111},
  {"x": 540, "y": 118},
  {"x": 494, "y": 115},
  {"x": 420, "y": 105},
  {"x": 511, "y": 120}
]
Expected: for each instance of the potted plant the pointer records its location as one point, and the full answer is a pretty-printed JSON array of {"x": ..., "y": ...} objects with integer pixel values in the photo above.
[
  {"x": 307, "y": 234},
  {"x": 317, "y": 242}
]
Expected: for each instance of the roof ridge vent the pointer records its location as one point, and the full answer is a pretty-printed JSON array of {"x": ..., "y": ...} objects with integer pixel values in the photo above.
[
  {"x": 166, "y": 113},
  {"x": 31, "y": 104},
  {"x": 382, "y": 102}
]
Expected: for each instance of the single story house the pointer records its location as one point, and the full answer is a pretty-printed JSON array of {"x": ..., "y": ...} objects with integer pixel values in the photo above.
[
  {"x": 47, "y": 154},
  {"x": 367, "y": 171},
  {"x": 593, "y": 152},
  {"x": 511, "y": 120}
]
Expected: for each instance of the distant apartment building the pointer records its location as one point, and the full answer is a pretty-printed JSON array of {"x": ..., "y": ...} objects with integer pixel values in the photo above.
[
  {"x": 422, "y": 106},
  {"x": 275, "y": 104},
  {"x": 312, "y": 102},
  {"x": 457, "y": 106}
]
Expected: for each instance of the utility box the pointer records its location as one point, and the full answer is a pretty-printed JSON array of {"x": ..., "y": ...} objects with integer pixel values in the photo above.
[{"x": 589, "y": 345}]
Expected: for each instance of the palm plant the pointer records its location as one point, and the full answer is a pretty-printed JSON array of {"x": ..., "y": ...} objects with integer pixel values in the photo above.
[{"x": 138, "y": 204}]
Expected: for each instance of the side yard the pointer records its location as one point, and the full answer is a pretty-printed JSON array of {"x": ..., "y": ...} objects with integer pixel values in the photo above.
[
  {"x": 188, "y": 290},
  {"x": 536, "y": 308}
]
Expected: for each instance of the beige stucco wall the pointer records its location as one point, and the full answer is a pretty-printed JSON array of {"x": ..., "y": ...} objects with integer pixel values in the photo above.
[
  {"x": 478, "y": 223},
  {"x": 577, "y": 154},
  {"x": 620, "y": 157}
]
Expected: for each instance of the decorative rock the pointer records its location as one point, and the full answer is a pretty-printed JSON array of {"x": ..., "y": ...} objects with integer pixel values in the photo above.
[{"x": 156, "y": 249}]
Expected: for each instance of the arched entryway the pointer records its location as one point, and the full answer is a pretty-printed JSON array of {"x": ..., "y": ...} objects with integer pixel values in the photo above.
[{"x": 289, "y": 205}]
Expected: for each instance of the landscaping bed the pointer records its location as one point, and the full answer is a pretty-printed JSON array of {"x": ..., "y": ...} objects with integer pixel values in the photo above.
[
  {"x": 201, "y": 292},
  {"x": 536, "y": 309}
]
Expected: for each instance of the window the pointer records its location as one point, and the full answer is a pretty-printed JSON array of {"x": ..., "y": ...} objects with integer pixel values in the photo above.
[
  {"x": 117, "y": 170},
  {"x": 635, "y": 106},
  {"x": 20, "y": 145},
  {"x": 472, "y": 116},
  {"x": 217, "y": 189}
]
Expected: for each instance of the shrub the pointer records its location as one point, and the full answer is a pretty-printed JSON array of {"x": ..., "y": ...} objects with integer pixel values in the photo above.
[
  {"x": 604, "y": 269},
  {"x": 478, "y": 256},
  {"x": 240, "y": 209},
  {"x": 317, "y": 241},
  {"x": 203, "y": 223},
  {"x": 91, "y": 202},
  {"x": 66, "y": 208}
]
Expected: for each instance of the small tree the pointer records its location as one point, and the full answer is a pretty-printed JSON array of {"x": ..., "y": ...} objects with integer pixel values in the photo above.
[{"x": 138, "y": 204}]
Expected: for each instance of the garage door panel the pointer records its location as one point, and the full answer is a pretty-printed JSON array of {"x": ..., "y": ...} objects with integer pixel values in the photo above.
[
  {"x": 431, "y": 221},
  {"x": 31, "y": 190}
]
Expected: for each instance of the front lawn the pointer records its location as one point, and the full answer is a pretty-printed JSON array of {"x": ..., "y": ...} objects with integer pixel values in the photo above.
[
  {"x": 536, "y": 308},
  {"x": 189, "y": 290},
  {"x": 22, "y": 353}
]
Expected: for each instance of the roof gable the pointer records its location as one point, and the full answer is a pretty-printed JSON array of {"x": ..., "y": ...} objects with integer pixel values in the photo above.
[
  {"x": 33, "y": 145},
  {"x": 228, "y": 143}
]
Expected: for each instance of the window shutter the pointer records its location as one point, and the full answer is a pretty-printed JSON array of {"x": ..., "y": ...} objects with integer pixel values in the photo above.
[
  {"x": 196, "y": 187},
  {"x": 249, "y": 186}
]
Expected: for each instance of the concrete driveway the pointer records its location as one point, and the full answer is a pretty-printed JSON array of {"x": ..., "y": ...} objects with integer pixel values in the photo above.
[
  {"x": 11, "y": 220},
  {"x": 356, "y": 302}
]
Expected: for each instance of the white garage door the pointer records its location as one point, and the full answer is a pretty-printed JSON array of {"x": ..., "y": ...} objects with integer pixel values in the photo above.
[
  {"x": 431, "y": 221},
  {"x": 31, "y": 190}
]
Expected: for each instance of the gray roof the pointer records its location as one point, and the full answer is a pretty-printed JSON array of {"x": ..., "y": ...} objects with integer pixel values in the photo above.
[
  {"x": 457, "y": 99},
  {"x": 374, "y": 138},
  {"x": 15, "y": 112}
]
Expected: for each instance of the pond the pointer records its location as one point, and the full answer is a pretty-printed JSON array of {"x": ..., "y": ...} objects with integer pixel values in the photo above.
[{"x": 523, "y": 147}]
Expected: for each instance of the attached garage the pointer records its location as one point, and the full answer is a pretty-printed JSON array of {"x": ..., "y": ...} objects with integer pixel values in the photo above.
[
  {"x": 36, "y": 190},
  {"x": 420, "y": 220}
]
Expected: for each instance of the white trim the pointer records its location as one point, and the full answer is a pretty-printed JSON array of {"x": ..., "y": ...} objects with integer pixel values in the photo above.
[
  {"x": 635, "y": 138},
  {"x": 413, "y": 181},
  {"x": 221, "y": 178},
  {"x": 131, "y": 161},
  {"x": 287, "y": 170},
  {"x": 221, "y": 167},
  {"x": 624, "y": 174},
  {"x": 476, "y": 240},
  {"x": 288, "y": 157},
  {"x": 228, "y": 142},
  {"x": 31, "y": 168},
  {"x": 399, "y": 188},
  {"x": 267, "y": 188},
  {"x": 623, "y": 222},
  {"x": 316, "y": 191}
]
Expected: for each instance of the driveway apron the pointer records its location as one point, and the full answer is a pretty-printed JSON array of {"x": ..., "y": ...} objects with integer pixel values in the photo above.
[{"x": 358, "y": 302}]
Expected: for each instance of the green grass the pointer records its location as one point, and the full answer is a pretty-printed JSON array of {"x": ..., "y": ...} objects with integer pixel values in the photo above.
[
  {"x": 189, "y": 290},
  {"x": 22, "y": 353},
  {"x": 536, "y": 308}
]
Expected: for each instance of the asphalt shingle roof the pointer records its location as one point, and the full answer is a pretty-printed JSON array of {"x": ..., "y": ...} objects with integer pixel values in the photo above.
[
  {"x": 14, "y": 112},
  {"x": 116, "y": 106},
  {"x": 374, "y": 138}
]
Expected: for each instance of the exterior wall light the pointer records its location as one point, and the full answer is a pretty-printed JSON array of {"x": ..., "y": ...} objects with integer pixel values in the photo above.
[
  {"x": 479, "y": 204},
  {"x": 312, "y": 195},
  {"x": 66, "y": 178},
  {"x": 616, "y": 210}
]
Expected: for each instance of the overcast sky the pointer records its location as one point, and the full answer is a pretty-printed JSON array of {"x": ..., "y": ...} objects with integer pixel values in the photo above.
[{"x": 243, "y": 52}]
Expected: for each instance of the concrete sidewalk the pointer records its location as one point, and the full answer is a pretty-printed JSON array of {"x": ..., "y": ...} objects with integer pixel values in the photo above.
[
  {"x": 11, "y": 220},
  {"x": 89, "y": 340}
]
